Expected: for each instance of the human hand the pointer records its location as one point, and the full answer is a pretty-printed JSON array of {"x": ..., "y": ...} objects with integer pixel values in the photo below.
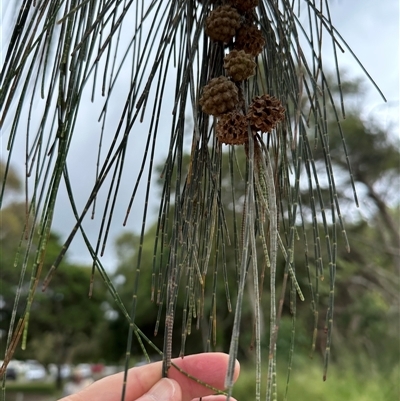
[{"x": 145, "y": 383}]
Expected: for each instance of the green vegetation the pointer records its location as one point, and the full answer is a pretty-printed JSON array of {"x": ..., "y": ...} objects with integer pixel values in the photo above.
[
  {"x": 42, "y": 388},
  {"x": 343, "y": 384}
]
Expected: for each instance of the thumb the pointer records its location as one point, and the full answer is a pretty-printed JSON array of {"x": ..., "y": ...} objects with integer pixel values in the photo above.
[{"x": 164, "y": 390}]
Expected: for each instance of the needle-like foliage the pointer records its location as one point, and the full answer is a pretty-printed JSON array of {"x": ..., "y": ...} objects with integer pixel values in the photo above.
[{"x": 147, "y": 63}]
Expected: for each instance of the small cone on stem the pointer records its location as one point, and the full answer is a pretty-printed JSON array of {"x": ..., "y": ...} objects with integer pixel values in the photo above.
[
  {"x": 244, "y": 5},
  {"x": 219, "y": 96},
  {"x": 265, "y": 112},
  {"x": 222, "y": 23},
  {"x": 250, "y": 39},
  {"x": 239, "y": 65},
  {"x": 232, "y": 128}
]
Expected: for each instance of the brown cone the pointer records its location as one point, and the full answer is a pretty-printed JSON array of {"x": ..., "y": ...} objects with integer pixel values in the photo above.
[
  {"x": 265, "y": 112},
  {"x": 232, "y": 128},
  {"x": 244, "y": 5},
  {"x": 219, "y": 96},
  {"x": 239, "y": 65},
  {"x": 222, "y": 23},
  {"x": 250, "y": 39}
]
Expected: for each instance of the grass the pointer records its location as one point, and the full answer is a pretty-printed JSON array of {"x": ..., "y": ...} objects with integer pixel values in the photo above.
[
  {"x": 39, "y": 387},
  {"x": 342, "y": 384}
]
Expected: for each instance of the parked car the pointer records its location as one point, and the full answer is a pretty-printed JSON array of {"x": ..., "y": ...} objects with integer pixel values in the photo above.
[
  {"x": 65, "y": 370},
  {"x": 85, "y": 370},
  {"x": 19, "y": 366},
  {"x": 35, "y": 371},
  {"x": 11, "y": 371}
]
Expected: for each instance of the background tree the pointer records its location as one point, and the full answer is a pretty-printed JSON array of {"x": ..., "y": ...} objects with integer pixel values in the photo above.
[
  {"x": 65, "y": 320},
  {"x": 60, "y": 331}
]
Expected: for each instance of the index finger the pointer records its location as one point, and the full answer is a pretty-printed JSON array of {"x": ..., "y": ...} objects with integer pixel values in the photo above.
[{"x": 210, "y": 368}]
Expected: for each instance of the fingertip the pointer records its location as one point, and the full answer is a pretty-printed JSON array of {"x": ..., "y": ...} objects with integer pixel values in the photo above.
[
  {"x": 237, "y": 370},
  {"x": 164, "y": 390},
  {"x": 231, "y": 378},
  {"x": 214, "y": 398}
]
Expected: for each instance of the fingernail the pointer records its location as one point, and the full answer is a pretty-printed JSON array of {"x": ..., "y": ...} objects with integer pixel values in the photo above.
[{"x": 164, "y": 390}]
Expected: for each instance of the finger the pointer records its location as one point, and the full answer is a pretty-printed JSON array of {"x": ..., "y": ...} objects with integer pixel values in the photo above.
[
  {"x": 140, "y": 380},
  {"x": 163, "y": 390},
  {"x": 214, "y": 398},
  {"x": 208, "y": 367}
]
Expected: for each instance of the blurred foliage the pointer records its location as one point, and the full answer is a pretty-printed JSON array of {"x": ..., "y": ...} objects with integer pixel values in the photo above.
[
  {"x": 65, "y": 324},
  {"x": 69, "y": 322},
  {"x": 9, "y": 179},
  {"x": 306, "y": 384}
]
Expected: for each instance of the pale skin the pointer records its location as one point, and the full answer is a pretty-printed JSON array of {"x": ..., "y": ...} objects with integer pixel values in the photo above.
[{"x": 145, "y": 383}]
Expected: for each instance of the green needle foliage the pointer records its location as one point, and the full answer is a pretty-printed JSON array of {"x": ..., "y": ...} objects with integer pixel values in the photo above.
[{"x": 152, "y": 58}]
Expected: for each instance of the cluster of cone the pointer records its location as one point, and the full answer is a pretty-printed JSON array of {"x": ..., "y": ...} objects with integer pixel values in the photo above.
[{"x": 220, "y": 97}]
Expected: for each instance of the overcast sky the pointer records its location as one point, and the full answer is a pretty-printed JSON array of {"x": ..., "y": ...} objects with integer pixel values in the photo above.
[{"x": 370, "y": 27}]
